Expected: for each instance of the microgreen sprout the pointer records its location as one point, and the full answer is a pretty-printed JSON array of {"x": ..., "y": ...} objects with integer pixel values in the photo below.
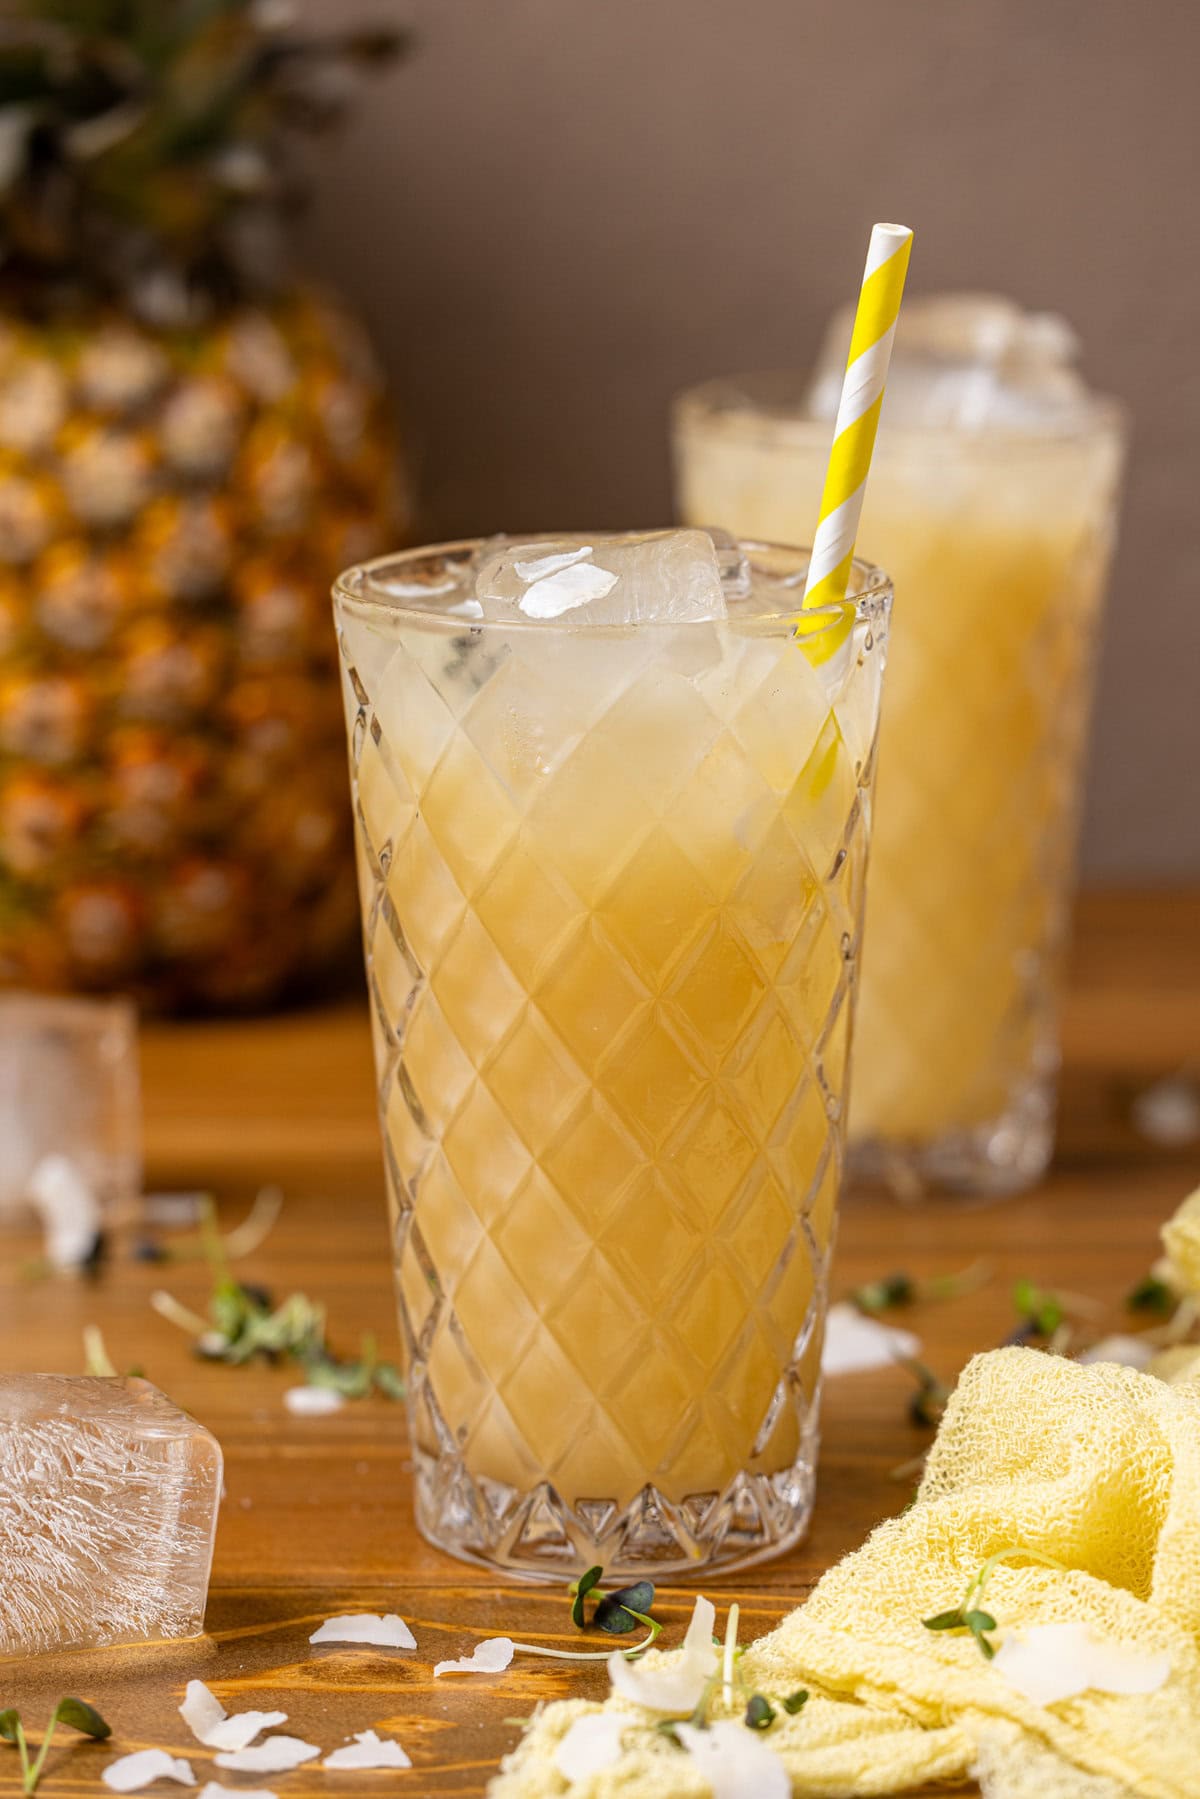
[
  {"x": 617, "y": 1612},
  {"x": 730, "y": 1653},
  {"x": 901, "y": 1289},
  {"x": 1040, "y": 1312},
  {"x": 759, "y": 1714},
  {"x": 880, "y": 1295},
  {"x": 96, "y": 1359},
  {"x": 244, "y": 1325},
  {"x": 74, "y": 1712},
  {"x": 969, "y": 1615},
  {"x": 795, "y": 1702},
  {"x": 1153, "y": 1295},
  {"x": 928, "y": 1404}
]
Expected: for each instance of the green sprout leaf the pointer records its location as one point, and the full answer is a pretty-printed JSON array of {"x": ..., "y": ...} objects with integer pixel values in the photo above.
[
  {"x": 971, "y": 1617},
  {"x": 10, "y": 1725},
  {"x": 880, "y": 1295},
  {"x": 1040, "y": 1312},
  {"x": 389, "y": 1381},
  {"x": 795, "y": 1702},
  {"x": 620, "y": 1612},
  {"x": 760, "y": 1713},
  {"x": 579, "y": 1590},
  {"x": 928, "y": 1404},
  {"x": 1152, "y": 1295},
  {"x": 81, "y": 1716}
]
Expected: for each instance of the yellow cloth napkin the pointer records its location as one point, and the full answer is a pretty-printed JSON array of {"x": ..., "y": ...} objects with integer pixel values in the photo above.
[{"x": 1097, "y": 1467}]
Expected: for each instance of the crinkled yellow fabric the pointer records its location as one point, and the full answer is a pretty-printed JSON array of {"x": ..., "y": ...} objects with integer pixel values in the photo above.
[
  {"x": 1098, "y": 1467},
  {"x": 1181, "y": 1240}
]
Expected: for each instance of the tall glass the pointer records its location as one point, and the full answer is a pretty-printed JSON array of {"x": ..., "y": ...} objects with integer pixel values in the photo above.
[
  {"x": 612, "y": 884},
  {"x": 999, "y": 542}
]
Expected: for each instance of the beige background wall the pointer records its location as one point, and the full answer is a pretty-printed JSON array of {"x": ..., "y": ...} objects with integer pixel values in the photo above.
[{"x": 563, "y": 210}]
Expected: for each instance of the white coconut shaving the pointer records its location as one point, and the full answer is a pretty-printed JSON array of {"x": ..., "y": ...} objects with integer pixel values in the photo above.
[
  {"x": 1051, "y": 1662},
  {"x": 214, "y": 1790},
  {"x": 1168, "y": 1112},
  {"x": 591, "y": 1744},
  {"x": 312, "y": 1402},
  {"x": 1129, "y": 1352},
  {"x": 387, "y": 1632},
  {"x": 489, "y": 1657},
  {"x": 212, "y": 1725},
  {"x": 736, "y": 1763},
  {"x": 275, "y": 1756},
  {"x": 68, "y": 1209},
  {"x": 673, "y": 1686},
  {"x": 130, "y": 1773},
  {"x": 854, "y": 1343},
  {"x": 368, "y": 1751}
]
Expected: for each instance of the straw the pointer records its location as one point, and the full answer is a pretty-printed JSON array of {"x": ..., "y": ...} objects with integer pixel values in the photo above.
[{"x": 858, "y": 415}]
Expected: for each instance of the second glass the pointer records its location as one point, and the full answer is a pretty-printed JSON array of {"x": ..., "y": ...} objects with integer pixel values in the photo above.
[
  {"x": 992, "y": 500},
  {"x": 612, "y": 879}
]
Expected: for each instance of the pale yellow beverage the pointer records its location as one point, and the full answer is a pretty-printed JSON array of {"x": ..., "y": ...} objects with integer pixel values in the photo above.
[
  {"x": 997, "y": 534},
  {"x": 612, "y": 880}
]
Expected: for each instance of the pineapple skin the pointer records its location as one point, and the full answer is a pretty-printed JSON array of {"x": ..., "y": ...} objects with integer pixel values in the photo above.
[{"x": 174, "y": 819}]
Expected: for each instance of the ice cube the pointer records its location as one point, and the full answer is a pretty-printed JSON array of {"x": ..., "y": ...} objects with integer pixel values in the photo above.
[
  {"x": 643, "y": 577},
  {"x": 108, "y": 1509},
  {"x": 54, "y": 1051},
  {"x": 970, "y": 362}
]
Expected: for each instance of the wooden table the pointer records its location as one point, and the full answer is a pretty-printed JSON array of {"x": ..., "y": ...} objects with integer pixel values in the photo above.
[{"x": 317, "y": 1517}]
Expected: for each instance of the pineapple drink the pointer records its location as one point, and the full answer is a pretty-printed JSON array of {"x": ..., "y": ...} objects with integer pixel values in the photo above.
[
  {"x": 612, "y": 821},
  {"x": 992, "y": 500}
]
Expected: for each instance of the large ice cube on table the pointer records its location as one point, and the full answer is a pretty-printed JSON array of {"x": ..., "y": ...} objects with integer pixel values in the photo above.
[
  {"x": 639, "y": 578},
  {"x": 69, "y": 1095},
  {"x": 108, "y": 1509}
]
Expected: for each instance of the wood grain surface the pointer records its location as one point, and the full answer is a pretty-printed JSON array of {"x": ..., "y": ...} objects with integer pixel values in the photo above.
[{"x": 316, "y": 1518}]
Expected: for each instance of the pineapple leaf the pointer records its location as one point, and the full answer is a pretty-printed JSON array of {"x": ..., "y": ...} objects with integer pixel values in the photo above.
[{"x": 143, "y": 141}]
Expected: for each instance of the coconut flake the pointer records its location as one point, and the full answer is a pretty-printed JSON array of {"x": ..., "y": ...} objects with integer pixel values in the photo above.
[
  {"x": 1168, "y": 1111},
  {"x": 854, "y": 1343},
  {"x": 212, "y": 1725},
  {"x": 68, "y": 1209},
  {"x": 130, "y": 1773},
  {"x": 673, "y": 1686},
  {"x": 736, "y": 1763},
  {"x": 313, "y": 1402},
  {"x": 489, "y": 1657},
  {"x": 591, "y": 1744},
  {"x": 214, "y": 1790},
  {"x": 1057, "y": 1661},
  {"x": 275, "y": 1756},
  {"x": 1128, "y": 1352},
  {"x": 368, "y": 1751},
  {"x": 388, "y": 1632}
]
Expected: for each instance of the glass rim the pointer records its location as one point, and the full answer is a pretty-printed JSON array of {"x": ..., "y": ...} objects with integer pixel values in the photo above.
[
  {"x": 868, "y": 598},
  {"x": 732, "y": 396}
]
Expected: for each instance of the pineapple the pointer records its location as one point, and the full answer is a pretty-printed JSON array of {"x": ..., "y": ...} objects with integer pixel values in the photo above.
[{"x": 191, "y": 444}]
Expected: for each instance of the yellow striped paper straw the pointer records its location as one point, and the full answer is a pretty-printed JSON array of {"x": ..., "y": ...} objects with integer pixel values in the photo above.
[{"x": 858, "y": 415}]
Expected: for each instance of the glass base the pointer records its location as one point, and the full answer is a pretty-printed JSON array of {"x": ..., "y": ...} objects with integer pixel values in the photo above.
[
  {"x": 993, "y": 1161},
  {"x": 537, "y": 1536}
]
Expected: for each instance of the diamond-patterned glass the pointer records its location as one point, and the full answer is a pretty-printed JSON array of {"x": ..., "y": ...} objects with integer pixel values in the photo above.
[
  {"x": 998, "y": 541},
  {"x": 611, "y": 942}
]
